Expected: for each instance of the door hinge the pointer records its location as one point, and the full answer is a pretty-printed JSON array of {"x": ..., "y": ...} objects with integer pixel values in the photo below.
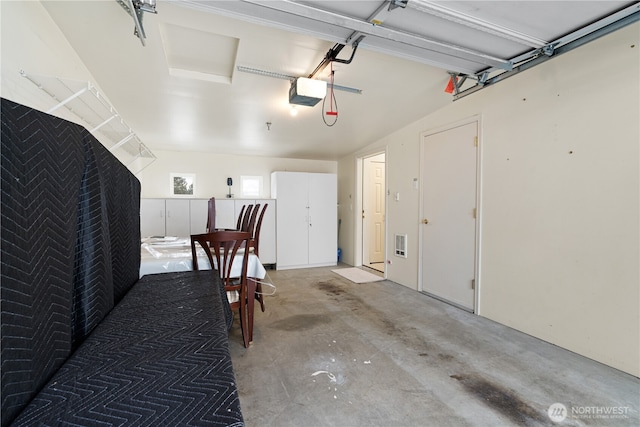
[
  {"x": 475, "y": 213},
  {"x": 473, "y": 283},
  {"x": 475, "y": 141}
]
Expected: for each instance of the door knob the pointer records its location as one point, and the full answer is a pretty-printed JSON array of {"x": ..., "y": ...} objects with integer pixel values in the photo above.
[{"x": 425, "y": 221}]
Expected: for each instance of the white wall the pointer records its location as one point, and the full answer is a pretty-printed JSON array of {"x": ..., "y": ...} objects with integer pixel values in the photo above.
[
  {"x": 347, "y": 209},
  {"x": 32, "y": 42},
  {"x": 560, "y": 255},
  {"x": 212, "y": 171}
]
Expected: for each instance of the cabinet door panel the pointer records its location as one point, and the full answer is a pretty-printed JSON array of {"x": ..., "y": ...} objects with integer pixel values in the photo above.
[
  {"x": 323, "y": 223},
  {"x": 292, "y": 220},
  {"x": 151, "y": 217},
  {"x": 198, "y": 211},
  {"x": 177, "y": 219},
  {"x": 225, "y": 213}
]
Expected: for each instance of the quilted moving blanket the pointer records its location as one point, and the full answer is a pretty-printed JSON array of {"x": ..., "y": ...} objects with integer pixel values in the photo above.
[{"x": 160, "y": 358}]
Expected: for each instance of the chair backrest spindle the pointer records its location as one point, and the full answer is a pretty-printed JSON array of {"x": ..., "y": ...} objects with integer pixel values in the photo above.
[
  {"x": 240, "y": 217},
  {"x": 255, "y": 239},
  {"x": 247, "y": 217},
  {"x": 211, "y": 215}
]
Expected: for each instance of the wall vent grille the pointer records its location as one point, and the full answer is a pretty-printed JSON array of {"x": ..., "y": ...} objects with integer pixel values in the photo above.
[{"x": 401, "y": 245}]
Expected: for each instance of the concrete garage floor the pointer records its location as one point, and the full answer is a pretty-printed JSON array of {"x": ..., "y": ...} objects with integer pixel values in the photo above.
[{"x": 330, "y": 352}]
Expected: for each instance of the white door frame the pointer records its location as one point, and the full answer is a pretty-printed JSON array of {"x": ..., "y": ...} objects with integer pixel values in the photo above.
[
  {"x": 368, "y": 201},
  {"x": 357, "y": 212},
  {"x": 473, "y": 119}
]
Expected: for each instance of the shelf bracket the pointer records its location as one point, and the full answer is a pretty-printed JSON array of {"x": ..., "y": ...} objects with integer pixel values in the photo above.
[
  {"x": 103, "y": 123},
  {"x": 67, "y": 100}
]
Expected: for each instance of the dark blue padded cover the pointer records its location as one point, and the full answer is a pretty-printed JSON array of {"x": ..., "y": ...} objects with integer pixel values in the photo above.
[{"x": 160, "y": 358}]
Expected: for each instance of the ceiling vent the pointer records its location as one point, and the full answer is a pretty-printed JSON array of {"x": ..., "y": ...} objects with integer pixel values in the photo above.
[{"x": 307, "y": 92}]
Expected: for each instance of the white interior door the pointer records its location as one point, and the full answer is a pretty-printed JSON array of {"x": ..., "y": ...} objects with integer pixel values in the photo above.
[
  {"x": 449, "y": 225},
  {"x": 374, "y": 210}
]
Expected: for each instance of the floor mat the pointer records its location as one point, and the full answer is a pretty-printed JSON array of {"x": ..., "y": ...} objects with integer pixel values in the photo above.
[{"x": 357, "y": 276}]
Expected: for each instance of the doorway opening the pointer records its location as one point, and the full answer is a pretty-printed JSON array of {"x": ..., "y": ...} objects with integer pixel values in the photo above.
[{"x": 373, "y": 209}]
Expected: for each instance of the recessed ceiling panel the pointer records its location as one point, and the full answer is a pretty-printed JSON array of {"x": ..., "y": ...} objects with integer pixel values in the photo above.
[{"x": 196, "y": 54}]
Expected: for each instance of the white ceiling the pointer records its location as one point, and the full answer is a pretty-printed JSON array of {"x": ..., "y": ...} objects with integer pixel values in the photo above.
[{"x": 183, "y": 90}]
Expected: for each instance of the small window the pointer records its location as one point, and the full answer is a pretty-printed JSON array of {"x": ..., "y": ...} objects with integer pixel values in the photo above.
[{"x": 251, "y": 186}]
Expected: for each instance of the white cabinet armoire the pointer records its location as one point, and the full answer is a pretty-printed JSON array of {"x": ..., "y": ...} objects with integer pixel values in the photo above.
[{"x": 306, "y": 220}]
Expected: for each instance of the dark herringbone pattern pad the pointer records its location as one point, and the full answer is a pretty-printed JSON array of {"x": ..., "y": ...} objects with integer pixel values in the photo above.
[
  {"x": 123, "y": 207},
  {"x": 42, "y": 166},
  {"x": 70, "y": 244},
  {"x": 159, "y": 358},
  {"x": 107, "y": 261}
]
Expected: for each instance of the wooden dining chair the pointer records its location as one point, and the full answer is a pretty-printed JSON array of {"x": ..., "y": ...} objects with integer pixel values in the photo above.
[
  {"x": 244, "y": 226},
  {"x": 255, "y": 236},
  {"x": 240, "y": 217},
  {"x": 223, "y": 250},
  {"x": 247, "y": 222},
  {"x": 254, "y": 244},
  {"x": 252, "y": 220},
  {"x": 211, "y": 215}
]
